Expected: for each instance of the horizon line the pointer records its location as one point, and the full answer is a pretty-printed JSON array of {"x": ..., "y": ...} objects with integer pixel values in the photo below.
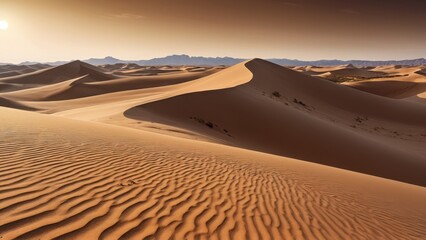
[{"x": 218, "y": 57}]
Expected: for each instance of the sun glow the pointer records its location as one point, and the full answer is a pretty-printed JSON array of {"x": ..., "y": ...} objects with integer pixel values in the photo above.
[{"x": 4, "y": 25}]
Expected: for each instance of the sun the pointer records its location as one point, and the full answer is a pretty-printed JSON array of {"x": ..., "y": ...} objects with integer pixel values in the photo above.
[{"x": 4, "y": 25}]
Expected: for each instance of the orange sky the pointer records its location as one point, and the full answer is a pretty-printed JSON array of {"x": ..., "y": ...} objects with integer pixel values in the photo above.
[{"x": 50, "y": 30}]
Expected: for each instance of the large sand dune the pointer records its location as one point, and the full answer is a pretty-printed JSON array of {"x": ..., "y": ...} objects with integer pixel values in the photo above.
[
  {"x": 284, "y": 112},
  {"x": 67, "y": 179}
]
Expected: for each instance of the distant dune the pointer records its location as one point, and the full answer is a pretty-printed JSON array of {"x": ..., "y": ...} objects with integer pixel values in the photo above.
[
  {"x": 392, "y": 89},
  {"x": 422, "y": 71},
  {"x": 9, "y": 70},
  {"x": 251, "y": 151},
  {"x": 61, "y": 73},
  {"x": 88, "y": 81},
  {"x": 393, "y": 81}
]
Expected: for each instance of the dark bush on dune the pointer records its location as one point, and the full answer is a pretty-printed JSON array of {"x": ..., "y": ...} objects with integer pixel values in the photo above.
[{"x": 276, "y": 94}]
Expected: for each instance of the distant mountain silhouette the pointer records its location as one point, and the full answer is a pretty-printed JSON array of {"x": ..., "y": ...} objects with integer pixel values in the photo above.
[
  {"x": 103, "y": 61},
  {"x": 188, "y": 60},
  {"x": 357, "y": 63}
]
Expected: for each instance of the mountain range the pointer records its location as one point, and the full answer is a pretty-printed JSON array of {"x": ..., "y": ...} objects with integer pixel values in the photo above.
[{"x": 215, "y": 61}]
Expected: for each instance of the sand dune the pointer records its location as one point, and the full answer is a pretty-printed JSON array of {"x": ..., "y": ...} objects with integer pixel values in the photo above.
[
  {"x": 7, "y": 71},
  {"x": 67, "y": 179},
  {"x": 402, "y": 83},
  {"x": 122, "y": 69},
  {"x": 392, "y": 81},
  {"x": 105, "y": 106},
  {"x": 343, "y": 73},
  {"x": 85, "y": 86},
  {"x": 422, "y": 71},
  {"x": 173, "y": 177},
  {"x": 391, "y": 89},
  {"x": 284, "y": 112},
  {"x": 120, "y": 66},
  {"x": 13, "y": 70},
  {"x": 4, "y": 102},
  {"x": 265, "y": 107},
  {"x": 322, "y": 69},
  {"x": 350, "y": 73},
  {"x": 9, "y": 74},
  {"x": 57, "y": 74},
  {"x": 356, "y": 73}
]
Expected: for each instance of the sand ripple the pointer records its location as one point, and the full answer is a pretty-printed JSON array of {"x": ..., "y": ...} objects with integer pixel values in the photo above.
[{"x": 71, "y": 180}]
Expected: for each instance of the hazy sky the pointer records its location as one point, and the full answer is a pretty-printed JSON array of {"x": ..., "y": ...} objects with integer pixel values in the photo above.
[{"x": 48, "y": 30}]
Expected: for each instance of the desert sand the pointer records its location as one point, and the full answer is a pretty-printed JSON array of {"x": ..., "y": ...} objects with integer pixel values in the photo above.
[
  {"x": 393, "y": 81},
  {"x": 251, "y": 151}
]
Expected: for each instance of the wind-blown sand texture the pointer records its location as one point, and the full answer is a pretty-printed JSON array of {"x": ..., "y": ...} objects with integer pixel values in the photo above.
[
  {"x": 131, "y": 152},
  {"x": 67, "y": 179}
]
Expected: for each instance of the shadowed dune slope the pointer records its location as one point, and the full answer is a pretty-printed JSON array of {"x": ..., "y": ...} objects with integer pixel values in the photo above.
[
  {"x": 9, "y": 74},
  {"x": 400, "y": 83},
  {"x": 13, "y": 70},
  {"x": 391, "y": 89},
  {"x": 340, "y": 73},
  {"x": 68, "y": 179},
  {"x": 4, "y": 102},
  {"x": 356, "y": 72},
  {"x": 422, "y": 71},
  {"x": 287, "y": 113}
]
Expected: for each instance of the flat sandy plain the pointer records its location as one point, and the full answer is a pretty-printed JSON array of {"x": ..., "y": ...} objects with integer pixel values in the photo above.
[{"x": 251, "y": 151}]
